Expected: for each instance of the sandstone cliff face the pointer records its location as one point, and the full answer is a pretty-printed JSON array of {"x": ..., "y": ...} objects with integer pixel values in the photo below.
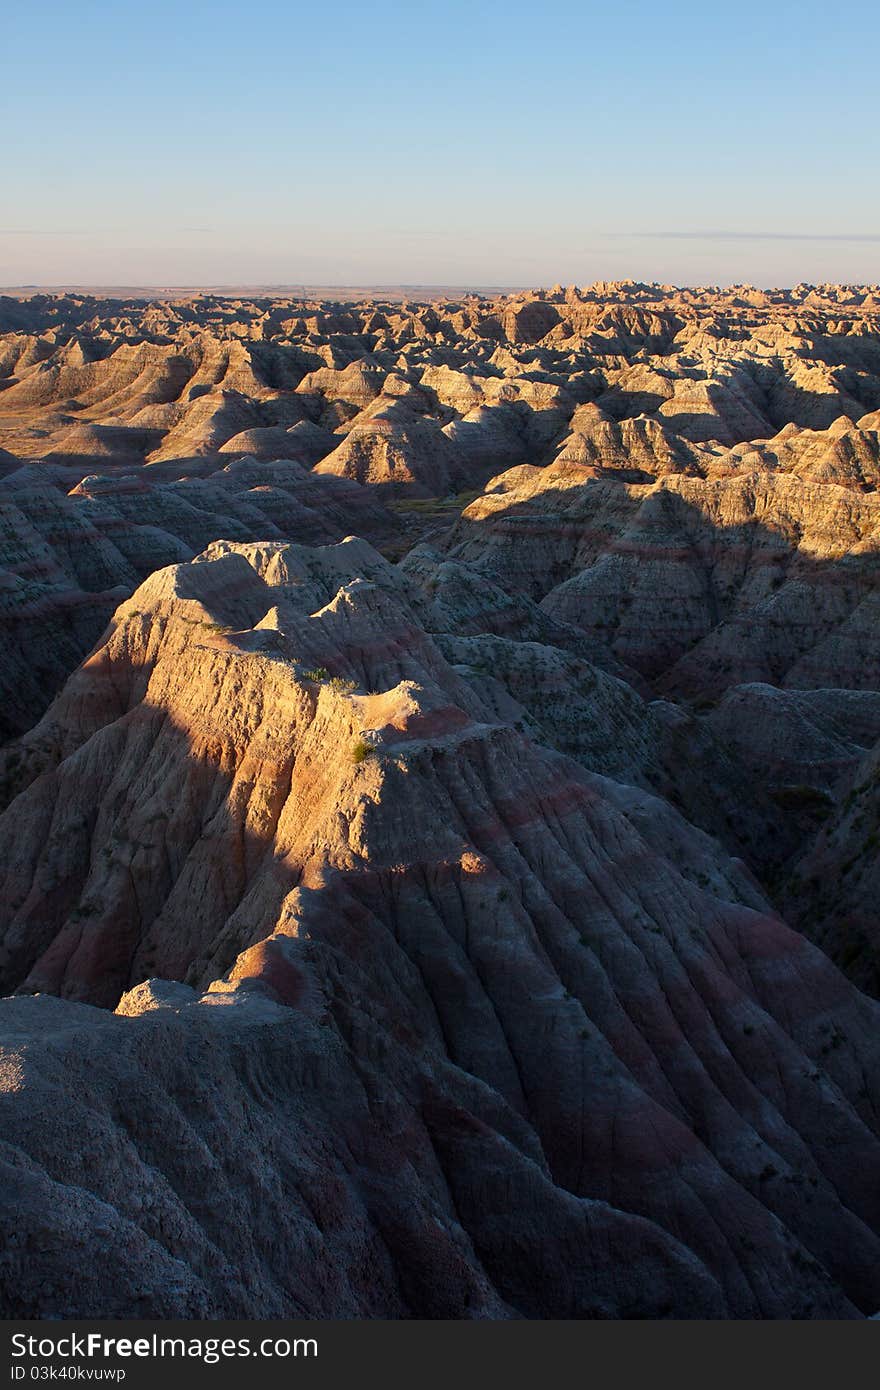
[{"x": 403, "y": 939}]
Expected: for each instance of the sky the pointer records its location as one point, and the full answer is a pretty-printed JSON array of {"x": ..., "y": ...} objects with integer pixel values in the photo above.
[{"x": 485, "y": 144}]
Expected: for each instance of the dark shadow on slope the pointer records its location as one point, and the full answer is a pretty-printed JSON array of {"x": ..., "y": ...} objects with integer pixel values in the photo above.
[
  {"x": 472, "y": 983},
  {"x": 697, "y": 609}
]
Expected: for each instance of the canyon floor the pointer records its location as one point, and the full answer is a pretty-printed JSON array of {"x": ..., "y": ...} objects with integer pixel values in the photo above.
[{"x": 440, "y": 804}]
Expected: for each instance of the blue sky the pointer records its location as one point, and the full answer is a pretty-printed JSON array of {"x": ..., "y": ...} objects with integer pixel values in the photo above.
[{"x": 455, "y": 143}]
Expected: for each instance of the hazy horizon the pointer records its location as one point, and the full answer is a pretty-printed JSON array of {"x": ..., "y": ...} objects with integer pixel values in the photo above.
[
  {"x": 456, "y": 146},
  {"x": 350, "y": 288}
]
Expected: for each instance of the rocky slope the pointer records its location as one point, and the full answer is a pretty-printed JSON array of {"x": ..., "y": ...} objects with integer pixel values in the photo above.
[
  {"x": 466, "y": 913},
  {"x": 697, "y": 584},
  {"x": 832, "y": 891},
  {"x": 67, "y": 557},
  {"x": 406, "y": 913}
]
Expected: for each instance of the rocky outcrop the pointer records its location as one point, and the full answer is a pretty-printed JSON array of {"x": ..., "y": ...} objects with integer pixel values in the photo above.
[
  {"x": 390, "y": 446},
  {"x": 129, "y": 381},
  {"x": 240, "y": 1164},
  {"x": 66, "y": 559},
  {"x": 697, "y": 584},
  {"x": 832, "y": 891},
  {"x": 435, "y": 913},
  {"x": 487, "y": 934}
]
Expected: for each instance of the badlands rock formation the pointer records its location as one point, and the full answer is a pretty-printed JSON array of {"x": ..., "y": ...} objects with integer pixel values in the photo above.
[
  {"x": 68, "y": 554},
  {"x": 440, "y": 786}
]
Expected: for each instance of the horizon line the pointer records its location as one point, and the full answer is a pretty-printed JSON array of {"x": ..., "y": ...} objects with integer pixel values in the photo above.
[{"x": 300, "y": 287}]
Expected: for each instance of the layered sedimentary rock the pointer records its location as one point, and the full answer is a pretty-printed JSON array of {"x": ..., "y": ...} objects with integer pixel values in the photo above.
[
  {"x": 435, "y": 914},
  {"x": 390, "y": 445},
  {"x": 240, "y": 1163},
  {"x": 832, "y": 891},
  {"x": 67, "y": 558},
  {"x": 698, "y": 584},
  {"x": 130, "y": 380},
  {"x": 466, "y": 936}
]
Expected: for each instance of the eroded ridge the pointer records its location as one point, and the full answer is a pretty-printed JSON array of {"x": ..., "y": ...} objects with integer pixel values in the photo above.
[{"x": 438, "y": 804}]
